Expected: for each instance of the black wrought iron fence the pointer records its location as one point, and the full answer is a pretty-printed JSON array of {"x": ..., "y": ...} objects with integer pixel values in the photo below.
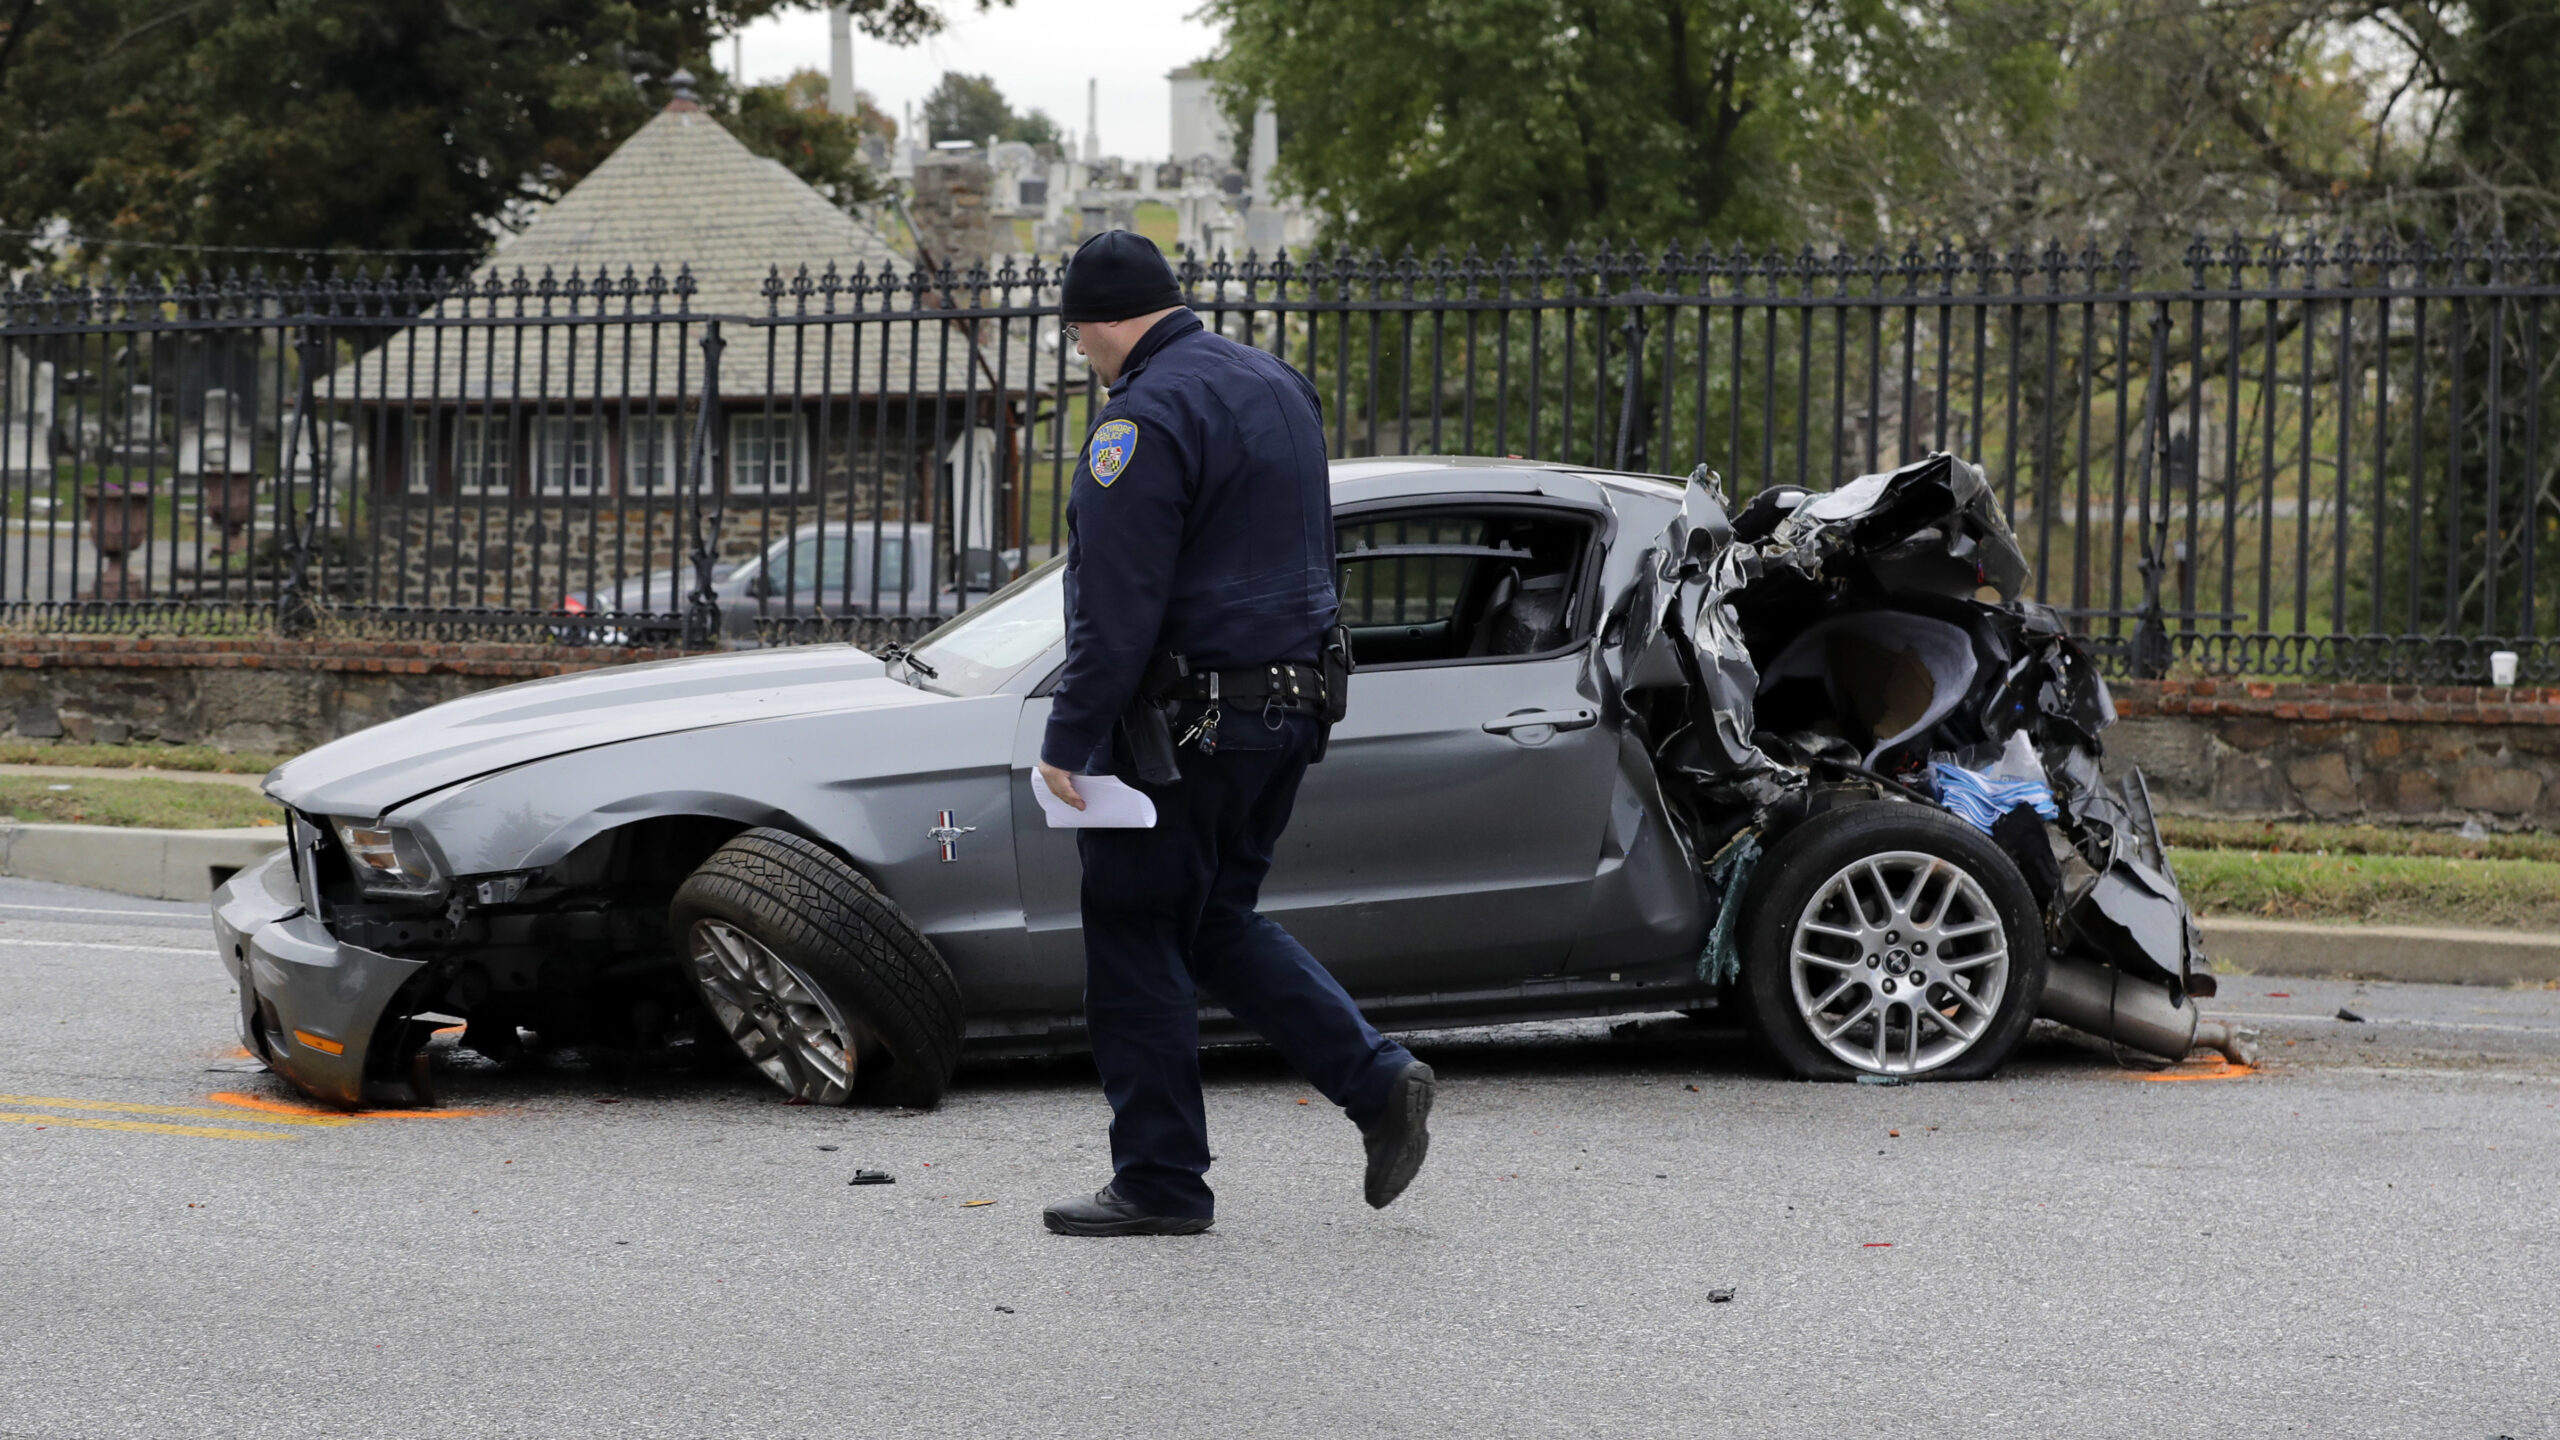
[{"x": 2275, "y": 458}]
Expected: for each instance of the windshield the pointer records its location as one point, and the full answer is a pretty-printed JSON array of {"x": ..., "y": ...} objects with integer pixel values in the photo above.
[{"x": 980, "y": 650}]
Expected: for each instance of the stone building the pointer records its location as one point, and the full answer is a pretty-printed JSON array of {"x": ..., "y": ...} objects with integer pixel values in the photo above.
[{"x": 529, "y": 431}]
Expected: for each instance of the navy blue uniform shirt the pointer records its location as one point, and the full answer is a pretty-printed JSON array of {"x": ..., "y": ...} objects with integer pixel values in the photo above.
[{"x": 1201, "y": 523}]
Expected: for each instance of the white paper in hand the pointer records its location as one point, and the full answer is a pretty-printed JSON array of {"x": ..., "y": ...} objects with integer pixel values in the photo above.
[{"x": 1109, "y": 804}]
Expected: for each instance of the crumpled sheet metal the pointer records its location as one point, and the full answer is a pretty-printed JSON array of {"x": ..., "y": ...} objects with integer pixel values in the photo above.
[
  {"x": 1932, "y": 527},
  {"x": 1934, "y": 522},
  {"x": 1680, "y": 630},
  {"x": 2133, "y": 913}
]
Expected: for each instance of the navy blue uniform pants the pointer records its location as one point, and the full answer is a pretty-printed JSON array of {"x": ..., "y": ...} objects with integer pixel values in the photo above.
[{"x": 1169, "y": 920}]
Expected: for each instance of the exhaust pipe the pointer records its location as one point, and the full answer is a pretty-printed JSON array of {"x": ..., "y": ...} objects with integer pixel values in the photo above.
[{"x": 2145, "y": 1016}]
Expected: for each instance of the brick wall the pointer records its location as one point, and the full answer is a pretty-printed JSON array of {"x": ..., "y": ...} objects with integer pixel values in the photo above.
[{"x": 2400, "y": 754}]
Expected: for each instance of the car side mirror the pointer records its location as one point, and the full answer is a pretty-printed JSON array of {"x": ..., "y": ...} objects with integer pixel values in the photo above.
[{"x": 761, "y": 587}]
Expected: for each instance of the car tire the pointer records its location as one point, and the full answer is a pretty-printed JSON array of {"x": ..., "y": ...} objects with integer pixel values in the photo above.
[
  {"x": 806, "y": 966},
  {"x": 1867, "y": 897}
]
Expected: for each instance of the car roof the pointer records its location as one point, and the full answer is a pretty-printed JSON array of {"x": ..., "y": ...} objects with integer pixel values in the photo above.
[{"x": 1460, "y": 474}]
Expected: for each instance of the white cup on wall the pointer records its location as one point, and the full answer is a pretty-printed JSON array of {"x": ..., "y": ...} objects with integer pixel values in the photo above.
[{"x": 2502, "y": 667}]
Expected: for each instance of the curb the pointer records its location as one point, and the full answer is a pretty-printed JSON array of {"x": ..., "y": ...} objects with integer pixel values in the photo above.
[
  {"x": 2410, "y": 953},
  {"x": 153, "y": 864},
  {"x": 188, "y": 864}
]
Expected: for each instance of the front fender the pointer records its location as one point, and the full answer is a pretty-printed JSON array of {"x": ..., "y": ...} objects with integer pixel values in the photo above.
[{"x": 870, "y": 784}]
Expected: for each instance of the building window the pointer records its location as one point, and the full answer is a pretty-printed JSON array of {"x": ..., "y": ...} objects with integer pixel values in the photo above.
[
  {"x": 480, "y": 455},
  {"x": 419, "y": 465},
  {"x": 765, "y": 454},
  {"x": 650, "y": 455},
  {"x": 565, "y": 461}
]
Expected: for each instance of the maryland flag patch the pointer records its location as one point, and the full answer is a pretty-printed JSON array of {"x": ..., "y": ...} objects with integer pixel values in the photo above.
[{"x": 1115, "y": 443}]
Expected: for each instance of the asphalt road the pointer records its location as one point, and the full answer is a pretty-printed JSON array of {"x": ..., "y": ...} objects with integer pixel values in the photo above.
[{"x": 2360, "y": 1239}]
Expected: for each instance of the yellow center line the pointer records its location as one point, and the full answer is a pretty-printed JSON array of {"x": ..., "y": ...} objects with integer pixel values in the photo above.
[
  {"x": 192, "y": 1112},
  {"x": 202, "y": 1132},
  {"x": 285, "y": 1108}
]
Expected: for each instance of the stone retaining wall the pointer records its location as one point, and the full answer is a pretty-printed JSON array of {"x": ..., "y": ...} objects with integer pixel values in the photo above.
[
  {"x": 275, "y": 695},
  {"x": 2390, "y": 754}
]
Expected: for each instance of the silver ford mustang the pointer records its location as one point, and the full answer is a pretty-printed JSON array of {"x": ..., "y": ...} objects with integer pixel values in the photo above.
[{"x": 1613, "y": 746}]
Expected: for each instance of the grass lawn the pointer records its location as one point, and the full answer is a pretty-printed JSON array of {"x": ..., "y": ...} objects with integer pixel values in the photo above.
[
  {"x": 2338, "y": 873},
  {"x": 2367, "y": 873},
  {"x": 143, "y": 801},
  {"x": 1161, "y": 223},
  {"x": 139, "y": 757}
]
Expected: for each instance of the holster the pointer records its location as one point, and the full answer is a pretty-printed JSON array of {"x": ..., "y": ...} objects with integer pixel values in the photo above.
[
  {"x": 1335, "y": 662},
  {"x": 1146, "y": 727}
]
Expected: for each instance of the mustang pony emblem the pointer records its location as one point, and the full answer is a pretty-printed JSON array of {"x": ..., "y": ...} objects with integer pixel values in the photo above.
[{"x": 947, "y": 835}]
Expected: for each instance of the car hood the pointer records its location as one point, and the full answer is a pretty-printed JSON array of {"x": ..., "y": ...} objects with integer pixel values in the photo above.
[{"x": 377, "y": 770}]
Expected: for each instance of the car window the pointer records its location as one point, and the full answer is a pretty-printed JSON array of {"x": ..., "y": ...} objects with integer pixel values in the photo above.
[
  {"x": 1453, "y": 585},
  {"x": 1387, "y": 574},
  {"x": 977, "y": 651},
  {"x": 812, "y": 563},
  {"x": 817, "y": 562}
]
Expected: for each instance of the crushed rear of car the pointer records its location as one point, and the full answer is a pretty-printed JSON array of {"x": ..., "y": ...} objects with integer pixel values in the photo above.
[{"x": 1815, "y": 651}]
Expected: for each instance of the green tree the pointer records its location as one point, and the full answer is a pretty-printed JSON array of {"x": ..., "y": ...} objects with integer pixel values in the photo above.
[
  {"x": 1856, "y": 122},
  {"x": 349, "y": 126},
  {"x": 791, "y": 123},
  {"x": 1518, "y": 120},
  {"x": 965, "y": 107},
  {"x": 971, "y": 108}
]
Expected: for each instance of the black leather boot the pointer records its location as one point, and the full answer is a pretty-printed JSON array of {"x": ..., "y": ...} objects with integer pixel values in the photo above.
[
  {"x": 1105, "y": 1213},
  {"x": 1401, "y": 1135}
]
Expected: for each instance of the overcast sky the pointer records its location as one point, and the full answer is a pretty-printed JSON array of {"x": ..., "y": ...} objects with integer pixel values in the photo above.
[{"x": 1039, "y": 52}]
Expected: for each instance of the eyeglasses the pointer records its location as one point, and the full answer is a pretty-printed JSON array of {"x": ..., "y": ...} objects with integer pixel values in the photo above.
[{"x": 1071, "y": 334}]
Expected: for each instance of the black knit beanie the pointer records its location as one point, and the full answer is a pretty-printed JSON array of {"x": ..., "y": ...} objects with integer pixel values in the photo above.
[{"x": 1116, "y": 275}]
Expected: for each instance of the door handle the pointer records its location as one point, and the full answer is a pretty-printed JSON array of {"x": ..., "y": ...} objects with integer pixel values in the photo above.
[{"x": 1576, "y": 719}]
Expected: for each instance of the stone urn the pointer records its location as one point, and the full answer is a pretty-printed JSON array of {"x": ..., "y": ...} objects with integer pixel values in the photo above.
[
  {"x": 230, "y": 500},
  {"x": 119, "y": 524}
]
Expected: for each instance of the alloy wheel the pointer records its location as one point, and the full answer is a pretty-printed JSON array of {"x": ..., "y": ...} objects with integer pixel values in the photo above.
[
  {"x": 1899, "y": 963},
  {"x": 783, "y": 1022}
]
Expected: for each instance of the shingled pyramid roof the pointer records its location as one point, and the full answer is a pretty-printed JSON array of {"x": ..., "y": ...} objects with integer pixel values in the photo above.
[
  {"x": 682, "y": 196},
  {"x": 683, "y": 191}
]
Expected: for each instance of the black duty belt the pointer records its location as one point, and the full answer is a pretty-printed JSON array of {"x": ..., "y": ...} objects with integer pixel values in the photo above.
[{"x": 1285, "y": 686}]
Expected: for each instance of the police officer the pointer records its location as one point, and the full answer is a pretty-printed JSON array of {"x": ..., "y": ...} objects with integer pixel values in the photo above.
[{"x": 1200, "y": 526}]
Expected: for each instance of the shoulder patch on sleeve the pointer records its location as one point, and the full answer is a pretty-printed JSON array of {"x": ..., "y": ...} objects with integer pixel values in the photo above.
[{"x": 1115, "y": 443}]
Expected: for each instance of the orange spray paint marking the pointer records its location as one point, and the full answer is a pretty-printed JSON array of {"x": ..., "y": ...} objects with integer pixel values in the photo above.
[
  {"x": 2217, "y": 1068},
  {"x": 286, "y": 1107}
]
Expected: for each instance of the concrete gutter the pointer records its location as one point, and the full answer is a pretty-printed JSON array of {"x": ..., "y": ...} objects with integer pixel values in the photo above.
[
  {"x": 154, "y": 864},
  {"x": 2422, "y": 953}
]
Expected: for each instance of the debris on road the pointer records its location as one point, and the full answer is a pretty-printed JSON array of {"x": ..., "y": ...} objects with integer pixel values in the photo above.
[
  {"x": 870, "y": 1177},
  {"x": 1722, "y": 1295},
  {"x": 2350, "y": 1016},
  {"x": 974, "y": 1204}
]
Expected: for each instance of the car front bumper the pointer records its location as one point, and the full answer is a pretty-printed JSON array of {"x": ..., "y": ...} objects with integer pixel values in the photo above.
[{"x": 309, "y": 1004}]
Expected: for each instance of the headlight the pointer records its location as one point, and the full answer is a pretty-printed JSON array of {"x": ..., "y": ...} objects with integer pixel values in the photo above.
[{"x": 388, "y": 862}]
